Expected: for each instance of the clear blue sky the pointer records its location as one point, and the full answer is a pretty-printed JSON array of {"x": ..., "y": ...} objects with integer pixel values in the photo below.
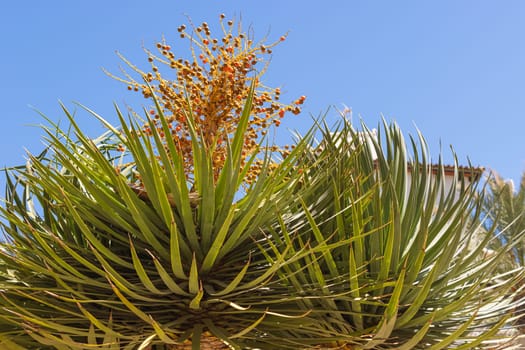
[{"x": 453, "y": 68}]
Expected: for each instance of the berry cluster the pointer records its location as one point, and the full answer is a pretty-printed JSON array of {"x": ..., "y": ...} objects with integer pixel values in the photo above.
[{"x": 212, "y": 87}]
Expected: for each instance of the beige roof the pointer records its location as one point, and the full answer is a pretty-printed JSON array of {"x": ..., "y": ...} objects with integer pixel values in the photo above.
[{"x": 470, "y": 173}]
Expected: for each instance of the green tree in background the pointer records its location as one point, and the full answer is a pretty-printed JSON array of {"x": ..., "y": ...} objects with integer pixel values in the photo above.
[
  {"x": 505, "y": 204},
  {"x": 505, "y": 207}
]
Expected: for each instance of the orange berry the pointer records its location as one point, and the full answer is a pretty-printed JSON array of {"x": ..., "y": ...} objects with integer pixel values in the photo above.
[{"x": 227, "y": 68}]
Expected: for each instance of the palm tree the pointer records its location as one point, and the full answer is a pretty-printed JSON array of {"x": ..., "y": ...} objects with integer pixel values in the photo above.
[
  {"x": 181, "y": 229},
  {"x": 505, "y": 207}
]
